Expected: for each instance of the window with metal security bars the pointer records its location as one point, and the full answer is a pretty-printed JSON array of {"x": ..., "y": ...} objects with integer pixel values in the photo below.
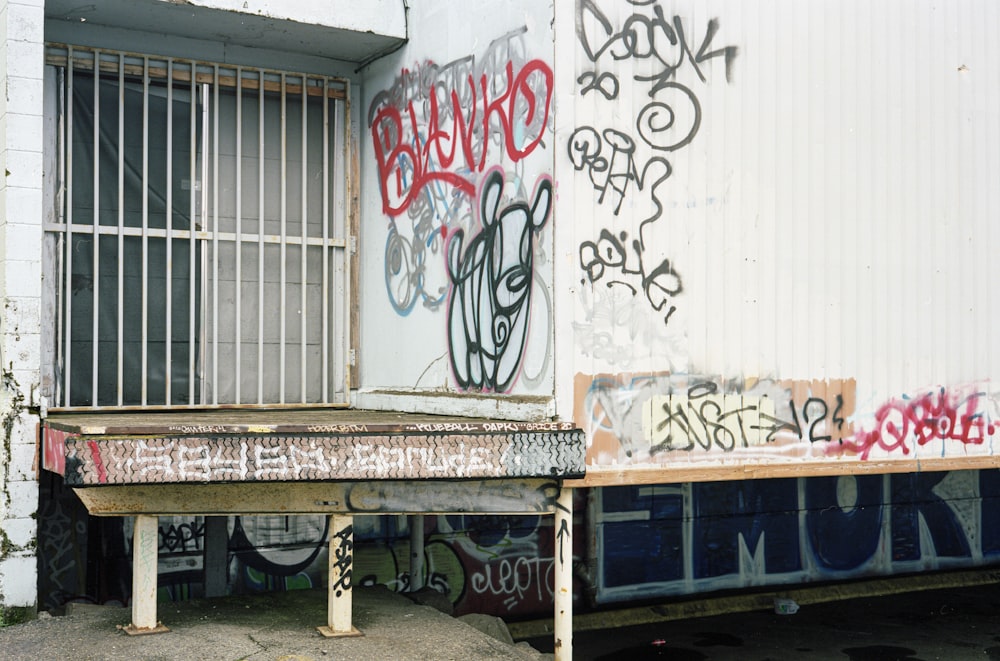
[{"x": 198, "y": 250}]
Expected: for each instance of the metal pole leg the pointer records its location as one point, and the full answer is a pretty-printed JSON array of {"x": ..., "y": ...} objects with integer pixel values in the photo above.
[
  {"x": 339, "y": 600},
  {"x": 216, "y": 563},
  {"x": 416, "y": 552},
  {"x": 145, "y": 540},
  {"x": 564, "y": 576}
]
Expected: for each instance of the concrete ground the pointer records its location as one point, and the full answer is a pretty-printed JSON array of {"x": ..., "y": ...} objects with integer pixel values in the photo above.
[
  {"x": 274, "y": 626},
  {"x": 938, "y": 616}
]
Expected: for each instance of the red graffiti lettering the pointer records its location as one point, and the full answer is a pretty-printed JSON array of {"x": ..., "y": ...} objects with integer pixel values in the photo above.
[{"x": 414, "y": 150}]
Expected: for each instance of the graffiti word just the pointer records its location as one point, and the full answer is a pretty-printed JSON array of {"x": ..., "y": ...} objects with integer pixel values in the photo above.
[{"x": 708, "y": 421}]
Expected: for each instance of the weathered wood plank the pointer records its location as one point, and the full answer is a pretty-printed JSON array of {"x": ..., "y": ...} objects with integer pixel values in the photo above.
[
  {"x": 287, "y": 421},
  {"x": 512, "y": 496},
  {"x": 665, "y": 474}
]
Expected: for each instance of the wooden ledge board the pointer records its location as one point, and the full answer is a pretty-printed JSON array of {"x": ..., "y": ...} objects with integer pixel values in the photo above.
[
  {"x": 280, "y": 421},
  {"x": 605, "y": 477}
]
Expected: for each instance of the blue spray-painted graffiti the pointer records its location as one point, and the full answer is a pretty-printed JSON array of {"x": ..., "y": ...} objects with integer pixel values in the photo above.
[
  {"x": 916, "y": 499},
  {"x": 741, "y": 505},
  {"x": 737, "y": 534},
  {"x": 842, "y": 535},
  {"x": 653, "y": 541}
]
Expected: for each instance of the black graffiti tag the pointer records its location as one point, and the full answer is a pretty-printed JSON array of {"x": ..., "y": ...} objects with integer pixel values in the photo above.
[
  {"x": 492, "y": 281},
  {"x": 643, "y": 37},
  {"x": 613, "y": 260},
  {"x": 631, "y": 160},
  {"x": 343, "y": 559}
]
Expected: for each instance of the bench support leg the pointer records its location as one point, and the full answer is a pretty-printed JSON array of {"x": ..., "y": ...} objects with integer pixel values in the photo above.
[
  {"x": 416, "y": 552},
  {"x": 563, "y": 618},
  {"x": 216, "y": 563},
  {"x": 145, "y": 540},
  {"x": 341, "y": 561}
]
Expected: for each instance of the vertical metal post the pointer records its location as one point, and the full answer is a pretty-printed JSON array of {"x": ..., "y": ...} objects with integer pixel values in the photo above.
[
  {"x": 216, "y": 555},
  {"x": 96, "y": 319},
  {"x": 339, "y": 597},
  {"x": 68, "y": 260},
  {"x": 347, "y": 185},
  {"x": 169, "y": 222},
  {"x": 206, "y": 181},
  {"x": 144, "y": 555},
  {"x": 192, "y": 239},
  {"x": 215, "y": 234},
  {"x": 120, "y": 375},
  {"x": 282, "y": 313},
  {"x": 303, "y": 274},
  {"x": 564, "y": 576},
  {"x": 144, "y": 390},
  {"x": 238, "y": 315},
  {"x": 417, "y": 577},
  {"x": 260, "y": 236},
  {"x": 326, "y": 249}
]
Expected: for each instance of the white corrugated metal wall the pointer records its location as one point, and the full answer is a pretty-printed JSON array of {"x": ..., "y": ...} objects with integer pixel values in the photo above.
[
  {"x": 468, "y": 97},
  {"x": 819, "y": 217}
]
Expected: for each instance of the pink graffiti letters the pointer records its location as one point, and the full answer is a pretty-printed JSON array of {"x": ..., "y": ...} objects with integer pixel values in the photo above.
[{"x": 937, "y": 415}]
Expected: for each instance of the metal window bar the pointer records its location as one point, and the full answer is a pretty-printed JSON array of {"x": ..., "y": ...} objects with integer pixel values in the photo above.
[
  {"x": 144, "y": 381},
  {"x": 237, "y": 331},
  {"x": 283, "y": 322},
  {"x": 67, "y": 215},
  {"x": 304, "y": 255},
  {"x": 96, "y": 243},
  {"x": 192, "y": 240},
  {"x": 61, "y": 149},
  {"x": 215, "y": 235},
  {"x": 219, "y": 232},
  {"x": 260, "y": 233},
  {"x": 120, "y": 354},
  {"x": 169, "y": 221},
  {"x": 202, "y": 255},
  {"x": 325, "y": 334}
]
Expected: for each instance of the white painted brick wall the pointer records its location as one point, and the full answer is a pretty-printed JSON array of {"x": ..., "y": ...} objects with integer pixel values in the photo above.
[
  {"x": 25, "y": 22},
  {"x": 21, "y": 211},
  {"x": 24, "y": 168},
  {"x": 21, "y": 533},
  {"x": 19, "y": 576},
  {"x": 23, "y": 463},
  {"x": 23, "y": 499}
]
